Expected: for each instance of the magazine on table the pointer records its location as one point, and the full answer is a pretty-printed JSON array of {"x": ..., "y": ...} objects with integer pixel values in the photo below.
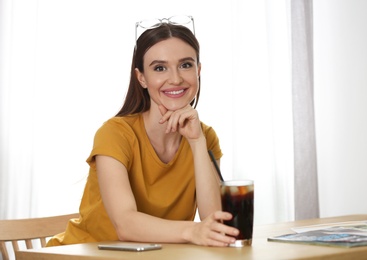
[{"x": 342, "y": 234}]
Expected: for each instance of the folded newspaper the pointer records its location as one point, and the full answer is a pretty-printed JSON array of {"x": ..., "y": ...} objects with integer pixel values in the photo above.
[{"x": 342, "y": 234}]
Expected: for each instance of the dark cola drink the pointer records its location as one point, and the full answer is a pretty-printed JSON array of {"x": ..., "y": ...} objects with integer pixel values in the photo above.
[{"x": 238, "y": 199}]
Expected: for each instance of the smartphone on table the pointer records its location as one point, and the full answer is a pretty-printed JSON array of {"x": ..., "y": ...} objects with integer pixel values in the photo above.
[{"x": 135, "y": 247}]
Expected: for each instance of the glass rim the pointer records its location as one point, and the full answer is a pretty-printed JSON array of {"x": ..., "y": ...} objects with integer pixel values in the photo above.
[
  {"x": 237, "y": 182},
  {"x": 156, "y": 22}
]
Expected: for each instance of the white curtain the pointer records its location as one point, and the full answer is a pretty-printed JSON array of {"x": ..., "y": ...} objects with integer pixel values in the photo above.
[
  {"x": 306, "y": 188},
  {"x": 64, "y": 70},
  {"x": 262, "y": 106}
]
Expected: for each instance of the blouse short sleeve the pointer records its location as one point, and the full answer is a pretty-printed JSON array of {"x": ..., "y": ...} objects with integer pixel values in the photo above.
[{"x": 114, "y": 138}]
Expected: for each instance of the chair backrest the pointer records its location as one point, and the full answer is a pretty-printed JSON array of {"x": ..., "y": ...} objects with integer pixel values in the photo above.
[{"x": 15, "y": 230}]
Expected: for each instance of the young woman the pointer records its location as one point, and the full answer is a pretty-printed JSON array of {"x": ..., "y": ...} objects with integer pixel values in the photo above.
[{"x": 149, "y": 168}]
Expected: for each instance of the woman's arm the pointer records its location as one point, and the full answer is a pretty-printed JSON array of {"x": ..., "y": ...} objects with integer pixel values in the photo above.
[
  {"x": 206, "y": 178},
  {"x": 186, "y": 121},
  {"x": 132, "y": 225}
]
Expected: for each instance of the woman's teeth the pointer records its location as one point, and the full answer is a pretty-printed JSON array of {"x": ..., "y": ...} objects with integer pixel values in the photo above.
[{"x": 175, "y": 92}]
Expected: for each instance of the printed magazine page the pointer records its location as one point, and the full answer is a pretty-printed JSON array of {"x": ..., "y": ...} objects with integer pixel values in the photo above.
[
  {"x": 346, "y": 234},
  {"x": 329, "y": 225}
]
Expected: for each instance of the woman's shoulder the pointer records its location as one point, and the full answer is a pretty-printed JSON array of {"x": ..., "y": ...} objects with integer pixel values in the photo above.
[
  {"x": 207, "y": 129},
  {"x": 120, "y": 125},
  {"x": 212, "y": 140},
  {"x": 122, "y": 121}
]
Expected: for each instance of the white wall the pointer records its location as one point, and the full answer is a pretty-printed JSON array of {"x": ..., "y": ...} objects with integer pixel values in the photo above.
[
  {"x": 67, "y": 66},
  {"x": 340, "y": 40}
]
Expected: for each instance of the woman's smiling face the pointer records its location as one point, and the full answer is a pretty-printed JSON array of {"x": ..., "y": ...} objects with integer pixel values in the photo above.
[{"x": 171, "y": 73}]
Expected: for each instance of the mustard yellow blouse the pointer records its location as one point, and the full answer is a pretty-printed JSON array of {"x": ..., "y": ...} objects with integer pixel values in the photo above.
[{"x": 162, "y": 190}]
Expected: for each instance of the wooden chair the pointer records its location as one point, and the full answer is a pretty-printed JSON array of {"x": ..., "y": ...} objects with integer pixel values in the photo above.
[{"x": 16, "y": 230}]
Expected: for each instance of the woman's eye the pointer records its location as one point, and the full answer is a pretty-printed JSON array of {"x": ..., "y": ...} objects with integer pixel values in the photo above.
[
  {"x": 159, "y": 68},
  {"x": 186, "y": 65}
]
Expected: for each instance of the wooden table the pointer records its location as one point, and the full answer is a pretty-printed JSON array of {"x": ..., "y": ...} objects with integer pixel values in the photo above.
[{"x": 260, "y": 249}]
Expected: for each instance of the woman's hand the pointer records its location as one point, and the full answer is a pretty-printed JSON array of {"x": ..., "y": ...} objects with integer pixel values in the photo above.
[
  {"x": 211, "y": 232},
  {"x": 185, "y": 121}
]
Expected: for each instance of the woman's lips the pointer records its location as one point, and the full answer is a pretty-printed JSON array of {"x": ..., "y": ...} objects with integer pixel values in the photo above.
[{"x": 174, "y": 93}]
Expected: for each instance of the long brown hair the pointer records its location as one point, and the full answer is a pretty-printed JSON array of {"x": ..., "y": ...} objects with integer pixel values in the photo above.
[{"x": 137, "y": 99}]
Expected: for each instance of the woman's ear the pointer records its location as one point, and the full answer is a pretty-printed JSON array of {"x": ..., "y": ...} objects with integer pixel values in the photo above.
[{"x": 140, "y": 77}]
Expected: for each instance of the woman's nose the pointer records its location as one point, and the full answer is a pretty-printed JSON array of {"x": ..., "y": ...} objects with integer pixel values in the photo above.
[{"x": 175, "y": 77}]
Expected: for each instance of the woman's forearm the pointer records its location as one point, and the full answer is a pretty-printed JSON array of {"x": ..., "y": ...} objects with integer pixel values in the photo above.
[
  {"x": 207, "y": 181},
  {"x": 137, "y": 226}
]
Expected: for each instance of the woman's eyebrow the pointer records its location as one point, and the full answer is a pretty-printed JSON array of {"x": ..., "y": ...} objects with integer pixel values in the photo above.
[
  {"x": 187, "y": 59},
  {"x": 164, "y": 61},
  {"x": 157, "y": 62}
]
